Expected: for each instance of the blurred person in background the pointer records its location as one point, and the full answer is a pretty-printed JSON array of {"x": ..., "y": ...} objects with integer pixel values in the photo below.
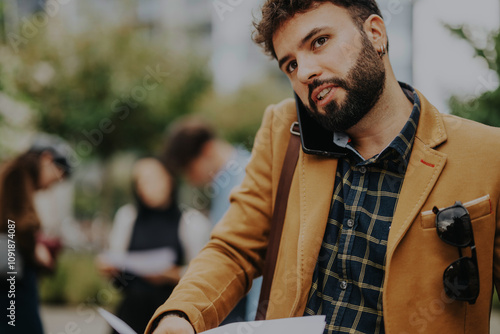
[
  {"x": 141, "y": 232},
  {"x": 42, "y": 166},
  {"x": 194, "y": 151},
  {"x": 216, "y": 166}
]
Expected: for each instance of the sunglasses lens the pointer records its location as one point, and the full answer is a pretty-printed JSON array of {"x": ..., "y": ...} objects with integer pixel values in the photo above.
[
  {"x": 461, "y": 280},
  {"x": 454, "y": 227}
]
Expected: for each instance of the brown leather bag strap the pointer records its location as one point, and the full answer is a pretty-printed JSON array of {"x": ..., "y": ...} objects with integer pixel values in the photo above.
[{"x": 278, "y": 219}]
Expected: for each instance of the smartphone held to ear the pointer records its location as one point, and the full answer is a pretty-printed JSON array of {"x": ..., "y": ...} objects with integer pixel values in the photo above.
[{"x": 316, "y": 139}]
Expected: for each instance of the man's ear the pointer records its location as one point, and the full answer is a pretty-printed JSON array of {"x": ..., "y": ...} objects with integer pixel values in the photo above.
[{"x": 375, "y": 30}]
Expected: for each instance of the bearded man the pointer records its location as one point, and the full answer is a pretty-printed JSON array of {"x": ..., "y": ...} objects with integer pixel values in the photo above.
[{"x": 385, "y": 191}]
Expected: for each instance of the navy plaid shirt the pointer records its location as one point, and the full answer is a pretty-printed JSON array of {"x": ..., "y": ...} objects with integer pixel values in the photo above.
[{"x": 349, "y": 275}]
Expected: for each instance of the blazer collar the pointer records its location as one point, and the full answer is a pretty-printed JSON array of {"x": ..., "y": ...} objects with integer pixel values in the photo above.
[{"x": 431, "y": 131}]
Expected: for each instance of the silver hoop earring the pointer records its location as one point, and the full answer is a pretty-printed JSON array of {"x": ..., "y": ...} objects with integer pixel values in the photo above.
[{"x": 382, "y": 51}]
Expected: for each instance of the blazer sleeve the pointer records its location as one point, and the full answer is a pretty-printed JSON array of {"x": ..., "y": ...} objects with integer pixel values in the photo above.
[{"x": 223, "y": 271}]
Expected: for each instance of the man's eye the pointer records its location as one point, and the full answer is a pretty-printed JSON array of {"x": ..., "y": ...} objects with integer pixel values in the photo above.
[
  {"x": 291, "y": 66},
  {"x": 319, "y": 42}
]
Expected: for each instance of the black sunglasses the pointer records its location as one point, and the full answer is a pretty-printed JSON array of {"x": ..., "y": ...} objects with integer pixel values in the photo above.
[{"x": 461, "y": 278}]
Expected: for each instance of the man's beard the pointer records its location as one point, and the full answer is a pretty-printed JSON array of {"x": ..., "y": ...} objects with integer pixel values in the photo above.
[{"x": 364, "y": 85}]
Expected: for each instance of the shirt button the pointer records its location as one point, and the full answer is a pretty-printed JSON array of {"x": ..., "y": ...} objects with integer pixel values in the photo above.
[
  {"x": 362, "y": 169},
  {"x": 350, "y": 223},
  {"x": 343, "y": 285}
]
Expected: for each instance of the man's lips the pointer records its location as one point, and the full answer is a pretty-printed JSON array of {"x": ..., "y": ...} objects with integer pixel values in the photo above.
[{"x": 323, "y": 94}]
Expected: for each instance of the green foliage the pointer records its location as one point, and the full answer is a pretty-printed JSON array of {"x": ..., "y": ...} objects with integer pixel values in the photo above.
[
  {"x": 109, "y": 88},
  {"x": 85, "y": 205},
  {"x": 76, "y": 281},
  {"x": 114, "y": 87},
  {"x": 483, "y": 108},
  {"x": 238, "y": 116},
  {"x": 104, "y": 90}
]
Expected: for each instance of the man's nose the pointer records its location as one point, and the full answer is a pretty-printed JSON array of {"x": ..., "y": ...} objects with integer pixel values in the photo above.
[{"x": 308, "y": 70}]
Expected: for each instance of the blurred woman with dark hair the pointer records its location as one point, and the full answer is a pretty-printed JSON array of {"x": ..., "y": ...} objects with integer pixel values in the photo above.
[
  {"x": 39, "y": 168},
  {"x": 150, "y": 243}
]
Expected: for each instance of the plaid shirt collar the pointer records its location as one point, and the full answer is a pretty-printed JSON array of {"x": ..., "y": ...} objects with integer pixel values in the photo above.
[{"x": 400, "y": 147}]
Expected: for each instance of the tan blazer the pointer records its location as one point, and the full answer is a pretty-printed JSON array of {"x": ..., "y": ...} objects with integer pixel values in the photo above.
[{"x": 452, "y": 160}]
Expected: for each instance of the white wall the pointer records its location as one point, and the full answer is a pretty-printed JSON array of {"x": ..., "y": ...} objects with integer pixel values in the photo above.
[
  {"x": 443, "y": 64},
  {"x": 398, "y": 18},
  {"x": 236, "y": 60}
]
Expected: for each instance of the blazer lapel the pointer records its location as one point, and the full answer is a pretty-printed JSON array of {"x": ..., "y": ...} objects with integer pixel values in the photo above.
[
  {"x": 421, "y": 176},
  {"x": 424, "y": 169},
  {"x": 317, "y": 177}
]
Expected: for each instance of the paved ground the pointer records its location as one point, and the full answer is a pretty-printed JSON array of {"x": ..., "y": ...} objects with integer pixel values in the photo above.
[
  {"x": 68, "y": 320},
  {"x": 495, "y": 322},
  {"x": 72, "y": 320}
]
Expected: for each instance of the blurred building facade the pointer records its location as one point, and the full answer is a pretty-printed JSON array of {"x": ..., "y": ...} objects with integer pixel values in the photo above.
[
  {"x": 219, "y": 29},
  {"x": 222, "y": 29},
  {"x": 421, "y": 48}
]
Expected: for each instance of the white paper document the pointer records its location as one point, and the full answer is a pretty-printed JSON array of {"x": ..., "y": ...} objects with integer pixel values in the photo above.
[
  {"x": 300, "y": 325},
  {"x": 116, "y": 323},
  {"x": 142, "y": 263}
]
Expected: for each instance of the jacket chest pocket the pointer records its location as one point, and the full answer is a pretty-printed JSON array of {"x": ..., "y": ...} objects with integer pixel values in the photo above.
[{"x": 478, "y": 209}]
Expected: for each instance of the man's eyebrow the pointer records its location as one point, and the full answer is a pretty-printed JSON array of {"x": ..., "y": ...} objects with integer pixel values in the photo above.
[
  {"x": 304, "y": 40},
  {"x": 283, "y": 60},
  {"x": 311, "y": 35}
]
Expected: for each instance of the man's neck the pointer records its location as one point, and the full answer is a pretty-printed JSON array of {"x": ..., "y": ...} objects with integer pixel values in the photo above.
[{"x": 383, "y": 123}]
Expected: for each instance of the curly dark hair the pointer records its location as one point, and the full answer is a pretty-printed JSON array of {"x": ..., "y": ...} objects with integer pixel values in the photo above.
[{"x": 277, "y": 12}]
